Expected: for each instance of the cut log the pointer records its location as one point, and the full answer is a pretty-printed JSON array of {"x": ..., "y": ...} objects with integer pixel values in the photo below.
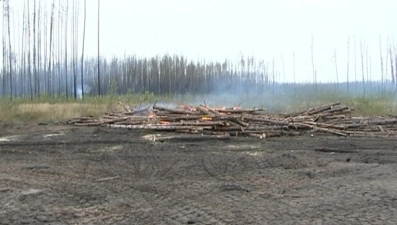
[
  {"x": 321, "y": 108},
  {"x": 204, "y": 111},
  {"x": 175, "y": 111},
  {"x": 332, "y": 118},
  {"x": 193, "y": 137}
]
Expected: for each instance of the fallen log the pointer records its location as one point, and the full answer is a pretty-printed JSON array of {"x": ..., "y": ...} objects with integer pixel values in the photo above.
[
  {"x": 213, "y": 112},
  {"x": 268, "y": 121},
  {"x": 158, "y": 127},
  {"x": 204, "y": 111},
  {"x": 332, "y": 131},
  {"x": 327, "y": 130},
  {"x": 176, "y": 111},
  {"x": 321, "y": 108},
  {"x": 239, "y": 111},
  {"x": 332, "y": 118},
  {"x": 144, "y": 111},
  {"x": 89, "y": 124},
  {"x": 193, "y": 137}
]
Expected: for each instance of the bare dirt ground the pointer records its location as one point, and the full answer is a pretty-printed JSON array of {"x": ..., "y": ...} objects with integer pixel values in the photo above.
[{"x": 72, "y": 175}]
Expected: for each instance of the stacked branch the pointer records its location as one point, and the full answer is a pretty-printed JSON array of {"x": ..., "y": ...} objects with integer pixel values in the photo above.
[{"x": 205, "y": 121}]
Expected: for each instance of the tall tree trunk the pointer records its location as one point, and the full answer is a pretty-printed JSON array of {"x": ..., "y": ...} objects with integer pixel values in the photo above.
[
  {"x": 294, "y": 72},
  {"x": 391, "y": 64},
  {"x": 82, "y": 51},
  {"x": 73, "y": 48},
  {"x": 9, "y": 48},
  {"x": 38, "y": 54},
  {"x": 336, "y": 70},
  {"x": 35, "y": 52},
  {"x": 99, "y": 74},
  {"x": 49, "y": 75},
  {"x": 4, "y": 35},
  {"x": 29, "y": 57},
  {"x": 362, "y": 65},
  {"x": 60, "y": 53},
  {"x": 314, "y": 70},
  {"x": 23, "y": 67},
  {"x": 75, "y": 44},
  {"x": 348, "y": 66},
  {"x": 66, "y": 50}
]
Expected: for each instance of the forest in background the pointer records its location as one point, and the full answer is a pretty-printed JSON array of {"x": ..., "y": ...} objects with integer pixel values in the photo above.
[{"x": 43, "y": 55}]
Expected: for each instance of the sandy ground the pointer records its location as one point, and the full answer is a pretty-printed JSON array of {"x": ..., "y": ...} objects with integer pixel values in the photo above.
[{"x": 91, "y": 175}]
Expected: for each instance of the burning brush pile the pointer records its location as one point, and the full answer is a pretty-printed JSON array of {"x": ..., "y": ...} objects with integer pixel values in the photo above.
[{"x": 204, "y": 122}]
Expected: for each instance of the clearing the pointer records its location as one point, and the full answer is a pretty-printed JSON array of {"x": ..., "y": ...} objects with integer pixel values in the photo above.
[{"x": 97, "y": 175}]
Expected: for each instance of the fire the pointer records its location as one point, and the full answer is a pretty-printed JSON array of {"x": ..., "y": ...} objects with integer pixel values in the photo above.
[
  {"x": 205, "y": 118},
  {"x": 151, "y": 115}
]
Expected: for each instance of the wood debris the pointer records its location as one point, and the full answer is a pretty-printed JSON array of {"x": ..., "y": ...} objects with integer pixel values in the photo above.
[{"x": 221, "y": 123}]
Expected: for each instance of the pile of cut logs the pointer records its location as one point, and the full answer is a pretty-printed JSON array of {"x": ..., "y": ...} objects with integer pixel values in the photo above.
[{"x": 204, "y": 122}]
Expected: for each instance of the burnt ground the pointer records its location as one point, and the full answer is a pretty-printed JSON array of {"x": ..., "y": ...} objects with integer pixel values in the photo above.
[{"x": 92, "y": 175}]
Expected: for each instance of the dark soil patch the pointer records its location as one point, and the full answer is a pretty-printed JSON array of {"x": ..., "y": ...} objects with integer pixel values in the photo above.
[{"x": 69, "y": 175}]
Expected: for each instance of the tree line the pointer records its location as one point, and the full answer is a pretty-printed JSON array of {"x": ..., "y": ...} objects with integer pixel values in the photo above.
[{"x": 43, "y": 54}]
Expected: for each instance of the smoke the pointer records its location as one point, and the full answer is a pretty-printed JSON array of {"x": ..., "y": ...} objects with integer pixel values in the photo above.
[
  {"x": 284, "y": 97},
  {"x": 87, "y": 90}
]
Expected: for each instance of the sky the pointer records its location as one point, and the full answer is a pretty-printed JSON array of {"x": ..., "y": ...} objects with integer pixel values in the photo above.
[{"x": 266, "y": 29}]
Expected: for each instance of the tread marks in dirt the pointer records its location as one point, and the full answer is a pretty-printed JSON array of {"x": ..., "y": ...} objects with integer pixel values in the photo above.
[
  {"x": 174, "y": 208},
  {"x": 135, "y": 165},
  {"x": 224, "y": 166}
]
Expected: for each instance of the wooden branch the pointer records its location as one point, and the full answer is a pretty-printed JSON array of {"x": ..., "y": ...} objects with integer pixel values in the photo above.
[
  {"x": 321, "y": 108},
  {"x": 204, "y": 111},
  {"x": 176, "y": 111},
  {"x": 197, "y": 137},
  {"x": 332, "y": 118}
]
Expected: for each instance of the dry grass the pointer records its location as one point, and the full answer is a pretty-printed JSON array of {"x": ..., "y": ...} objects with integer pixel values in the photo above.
[
  {"x": 46, "y": 112},
  {"x": 60, "y": 110}
]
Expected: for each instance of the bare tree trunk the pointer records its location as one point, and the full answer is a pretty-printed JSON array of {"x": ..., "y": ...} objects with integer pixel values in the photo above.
[
  {"x": 274, "y": 79},
  {"x": 82, "y": 51},
  {"x": 368, "y": 61},
  {"x": 294, "y": 71},
  {"x": 355, "y": 64},
  {"x": 391, "y": 65},
  {"x": 49, "y": 75},
  {"x": 348, "y": 66},
  {"x": 38, "y": 49},
  {"x": 23, "y": 67},
  {"x": 29, "y": 55},
  {"x": 60, "y": 53},
  {"x": 381, "y": 62},
  {"x": 282, "y": 60},
  {"x": 9, "y": 49},
  {"x": 336, "y": 70},
  {"x": 314, "y": 70},
  {"x": 4, "y": 35},
  {"x": 362, "y": 65},
  {"x": 66, "y": 50},
  {"x": 36, "y": 79},
  {"x": 74, "y": 50},
  {"x": 99, "y": 74},
  {"x": 395, "y": 63},
  {"x": 387, "y": 60}
]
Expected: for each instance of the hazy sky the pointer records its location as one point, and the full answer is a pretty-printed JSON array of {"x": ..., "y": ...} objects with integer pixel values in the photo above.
[{"x": 266, "y": 29}]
